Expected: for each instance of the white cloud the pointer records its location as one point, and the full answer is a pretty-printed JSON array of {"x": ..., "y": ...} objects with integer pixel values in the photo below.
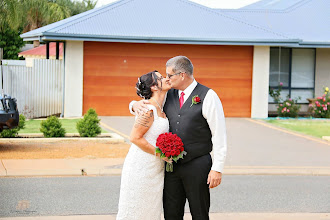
[{"x": 226, "y": 4}]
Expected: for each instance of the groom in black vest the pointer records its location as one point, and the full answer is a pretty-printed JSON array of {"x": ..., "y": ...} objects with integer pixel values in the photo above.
[{"x": 196, "y": 115}]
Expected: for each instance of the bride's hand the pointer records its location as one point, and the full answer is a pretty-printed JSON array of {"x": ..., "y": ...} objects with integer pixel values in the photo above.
[
  {"x": 165, "y": 158},
  {"x": 141, "y": 107}
]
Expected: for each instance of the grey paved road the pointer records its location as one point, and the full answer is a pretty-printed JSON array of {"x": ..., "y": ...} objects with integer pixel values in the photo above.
[{"x": 99, "y": 195}]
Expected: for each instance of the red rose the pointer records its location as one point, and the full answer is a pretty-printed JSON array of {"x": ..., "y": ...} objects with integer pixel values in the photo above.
[{"x": 197, "y": 99}]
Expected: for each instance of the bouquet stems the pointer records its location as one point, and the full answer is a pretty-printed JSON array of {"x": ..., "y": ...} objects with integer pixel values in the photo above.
[{"x": 169, "y": 167}]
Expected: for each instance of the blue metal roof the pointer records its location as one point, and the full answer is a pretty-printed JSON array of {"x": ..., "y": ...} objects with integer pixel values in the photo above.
[
  {"x": 273, "y": 4},
  {"x": 307, "y": 20},
  {"x": 160, "y": 21}
]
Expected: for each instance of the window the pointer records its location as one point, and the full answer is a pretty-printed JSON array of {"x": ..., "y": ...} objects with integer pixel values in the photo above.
[{"x": 295, "y": 68}]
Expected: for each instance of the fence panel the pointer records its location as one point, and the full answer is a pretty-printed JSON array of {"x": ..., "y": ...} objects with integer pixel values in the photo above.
[{"x": 38, "y": 89}]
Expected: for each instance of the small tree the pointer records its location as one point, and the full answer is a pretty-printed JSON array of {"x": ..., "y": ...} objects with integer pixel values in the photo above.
[
  {"x": 11, "y": 43},
  {"x": 11, "y": 133},
  {"x": 89, "y": 125},
  {"x": 52, "y": 127}
]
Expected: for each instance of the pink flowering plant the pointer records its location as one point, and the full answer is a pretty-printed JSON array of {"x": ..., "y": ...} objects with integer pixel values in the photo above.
[
  {"x": 321, "y": 109},
  {"x": 287, "y": 107}
]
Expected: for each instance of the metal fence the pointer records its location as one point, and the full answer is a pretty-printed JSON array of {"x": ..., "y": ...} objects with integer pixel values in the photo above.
[{"x": 38, "y": 89}]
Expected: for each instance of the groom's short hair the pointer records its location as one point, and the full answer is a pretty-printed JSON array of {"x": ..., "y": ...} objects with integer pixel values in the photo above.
[{"x": 181, "y": 64}]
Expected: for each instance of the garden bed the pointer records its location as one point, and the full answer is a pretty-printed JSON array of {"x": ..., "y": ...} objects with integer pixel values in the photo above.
[{"x": 63, "y": 150}]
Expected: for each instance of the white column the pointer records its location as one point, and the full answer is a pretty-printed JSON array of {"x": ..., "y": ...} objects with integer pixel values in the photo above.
[
  {"x": 74, "y": 54},
  {"x": 260, "y": 82}
]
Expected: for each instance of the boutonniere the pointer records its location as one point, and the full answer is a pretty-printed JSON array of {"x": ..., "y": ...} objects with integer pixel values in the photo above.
[{"x": 195, "y": 100}]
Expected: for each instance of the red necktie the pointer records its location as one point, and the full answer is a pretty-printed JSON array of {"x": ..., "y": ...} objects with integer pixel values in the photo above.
[{"x": 181, "y": 99}]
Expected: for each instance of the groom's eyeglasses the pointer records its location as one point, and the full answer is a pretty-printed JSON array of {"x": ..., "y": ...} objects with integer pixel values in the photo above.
[{"x": 170, "y": 75}]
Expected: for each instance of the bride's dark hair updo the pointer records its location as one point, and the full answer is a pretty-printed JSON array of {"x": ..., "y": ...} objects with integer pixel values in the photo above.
[{"x": 144, "y": 84}]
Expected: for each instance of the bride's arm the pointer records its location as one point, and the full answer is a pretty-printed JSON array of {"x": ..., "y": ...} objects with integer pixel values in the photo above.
[{"x": 141, "y": 126}]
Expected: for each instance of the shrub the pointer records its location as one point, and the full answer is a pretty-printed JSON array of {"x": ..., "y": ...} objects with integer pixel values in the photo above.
[
  {"x": 52, "y": 127},
  {"x": 321, "y": 109},
  {"x": 89, "y": 125},
  {"x": 11, "y": 133},
  {"x": 286, "y": 108},
  {"x": 289, "y": 108}
]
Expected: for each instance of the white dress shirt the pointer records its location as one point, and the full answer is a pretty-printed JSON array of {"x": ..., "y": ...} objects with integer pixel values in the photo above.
[{"x": 213, "y": 113}]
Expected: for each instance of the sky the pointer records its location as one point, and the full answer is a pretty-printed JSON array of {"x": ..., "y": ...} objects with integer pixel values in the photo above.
[{"x": 225, "y": 4}]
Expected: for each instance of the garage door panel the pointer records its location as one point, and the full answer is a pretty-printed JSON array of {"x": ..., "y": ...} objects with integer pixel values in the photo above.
[
  {"x": 125, "y": 61},
  {"x": 111, "y": 91},
  {"x": 108, "y": 105},
  {"x": 165, "y": 50},
  {"x": 111, "y": 71},
  {"x": 98, "y": 81},
  {"x": 225, "y": 83},
  {"x": 128, "y": 66}
]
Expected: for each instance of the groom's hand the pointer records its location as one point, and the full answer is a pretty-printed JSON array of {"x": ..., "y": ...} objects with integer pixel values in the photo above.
[
  {"x": 214, "y": 179},
  {"x": 141, "y": 107}
]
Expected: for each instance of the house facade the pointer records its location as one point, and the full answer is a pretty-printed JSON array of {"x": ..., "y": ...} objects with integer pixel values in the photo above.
[
  {"x": 233, "y": 52},
  {"x": 303, "y": 69}
]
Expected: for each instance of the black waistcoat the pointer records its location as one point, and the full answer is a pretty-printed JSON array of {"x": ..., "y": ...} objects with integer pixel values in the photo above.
[{"x": 188, "y": 123}]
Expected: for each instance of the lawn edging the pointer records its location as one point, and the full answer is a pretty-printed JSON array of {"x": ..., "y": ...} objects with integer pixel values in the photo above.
[
  {"x": 327, "y": 138},
  {"x": 38, "y": 137}
]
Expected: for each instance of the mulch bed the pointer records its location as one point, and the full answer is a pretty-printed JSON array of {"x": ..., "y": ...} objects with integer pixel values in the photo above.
[{"x": 62, "y": 150}]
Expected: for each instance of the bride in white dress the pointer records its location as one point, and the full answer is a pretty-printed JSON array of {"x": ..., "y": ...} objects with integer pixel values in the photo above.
[{"x": 142, "y": 179}]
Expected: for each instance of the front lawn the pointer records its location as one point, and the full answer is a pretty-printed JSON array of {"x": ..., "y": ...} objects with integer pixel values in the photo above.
[
  {"x": 33, "y": 126},
  {"x": 316, "y": 128}
]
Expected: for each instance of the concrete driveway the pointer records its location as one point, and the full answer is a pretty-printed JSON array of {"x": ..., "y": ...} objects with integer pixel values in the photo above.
[{"x": 252, "y": 144}]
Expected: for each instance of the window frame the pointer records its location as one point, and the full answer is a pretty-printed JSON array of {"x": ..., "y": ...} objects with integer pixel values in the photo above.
[{"x": 289, "y": 87}]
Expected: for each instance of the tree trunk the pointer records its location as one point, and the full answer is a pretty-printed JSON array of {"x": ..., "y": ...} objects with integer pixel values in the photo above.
[{"x": 1, "y": 54}]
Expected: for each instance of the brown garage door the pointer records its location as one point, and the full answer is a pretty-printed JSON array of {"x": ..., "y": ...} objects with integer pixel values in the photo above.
[{"x": 111, "y": 71}]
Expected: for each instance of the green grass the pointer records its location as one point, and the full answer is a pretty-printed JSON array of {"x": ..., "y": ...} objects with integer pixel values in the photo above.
[
  {"x": 316, "y": 128},
  {"x": 33, "y": 126}
]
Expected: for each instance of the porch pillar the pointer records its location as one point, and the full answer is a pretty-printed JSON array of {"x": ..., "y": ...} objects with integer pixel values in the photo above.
[
  {"x": 260, "y": 82},
  {"x": 73, "y": 99}
]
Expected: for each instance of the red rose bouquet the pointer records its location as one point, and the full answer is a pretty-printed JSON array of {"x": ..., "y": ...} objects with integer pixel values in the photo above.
[{"x": 170, "y": 145}]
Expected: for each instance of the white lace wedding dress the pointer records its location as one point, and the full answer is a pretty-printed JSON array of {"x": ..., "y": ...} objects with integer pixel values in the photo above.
[{"x": 142, "y": 179}]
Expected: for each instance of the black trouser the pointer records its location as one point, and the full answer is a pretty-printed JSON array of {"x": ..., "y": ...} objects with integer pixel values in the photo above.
[{"x": 188, "y": 181}]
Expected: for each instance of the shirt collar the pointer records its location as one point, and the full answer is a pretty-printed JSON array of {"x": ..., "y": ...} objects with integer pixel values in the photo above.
[{"x": 189, "y": 89}]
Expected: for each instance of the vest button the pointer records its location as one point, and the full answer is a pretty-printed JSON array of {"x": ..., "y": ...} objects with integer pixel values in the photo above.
[
  {"x": 179, "y": 115},
  {"x": 178, "y": 122}
]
